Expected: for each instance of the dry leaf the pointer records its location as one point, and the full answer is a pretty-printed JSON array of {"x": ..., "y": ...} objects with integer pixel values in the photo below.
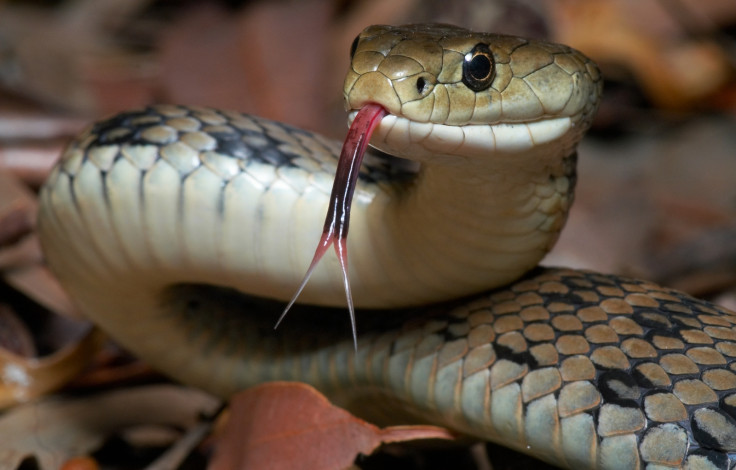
[
  {"x": 289, "y": 425},
  {"x": 31, "y": 163},
  {"x": 700, "y": 265},
  {"x": 23, "y": 379},
  {"x": 20, "y": 253},
  {"x": 57, "y": 430},
  {"x": 261, "y": 66},
  {"x": 15, "y": 337},
  {"x": 17, "y": 209},
  {"x": 673, "y": 71},
  {"x": 77, "y": 58},
  {"x": 37, "y": 283},
  {"x": 80, "y": 463},
  {"x": 36, "y": 126}
]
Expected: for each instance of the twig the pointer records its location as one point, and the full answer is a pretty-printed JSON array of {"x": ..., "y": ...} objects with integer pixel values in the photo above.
[{"x": 175, "y": 455}]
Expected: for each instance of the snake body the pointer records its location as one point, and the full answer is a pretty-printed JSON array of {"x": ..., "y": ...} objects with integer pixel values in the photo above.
[{"x": 182, "y": 230}]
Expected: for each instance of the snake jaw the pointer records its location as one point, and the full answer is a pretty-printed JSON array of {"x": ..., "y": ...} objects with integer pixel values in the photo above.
[
  {"x": 337, "y": 221},
  {"x": 402, "y": 137}
]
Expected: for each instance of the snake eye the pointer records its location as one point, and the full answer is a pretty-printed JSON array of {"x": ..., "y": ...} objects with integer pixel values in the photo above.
[
  {"x": 354, "y": 46},
  {"x": 478, "y": 70}
]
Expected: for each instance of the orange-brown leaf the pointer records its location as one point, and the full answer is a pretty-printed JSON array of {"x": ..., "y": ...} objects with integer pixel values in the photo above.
[
  {"x": 28, "y": 378},
  {"x": 289, "y": 425}
]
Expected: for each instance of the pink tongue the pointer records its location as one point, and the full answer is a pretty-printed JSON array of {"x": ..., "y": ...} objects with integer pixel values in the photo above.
[{"x": 337, "y": 221}]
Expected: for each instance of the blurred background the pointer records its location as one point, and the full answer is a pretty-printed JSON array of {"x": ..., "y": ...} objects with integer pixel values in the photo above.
[{"x": 657, "y": 187}]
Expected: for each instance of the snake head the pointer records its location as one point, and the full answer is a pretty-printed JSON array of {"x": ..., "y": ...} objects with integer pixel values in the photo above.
[
  {"x": 451, "y": 91},
  {"x": 439, "y": 92}
]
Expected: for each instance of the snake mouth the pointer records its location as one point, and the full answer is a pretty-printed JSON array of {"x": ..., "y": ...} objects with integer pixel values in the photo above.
[{"x": 403, "y": 137}]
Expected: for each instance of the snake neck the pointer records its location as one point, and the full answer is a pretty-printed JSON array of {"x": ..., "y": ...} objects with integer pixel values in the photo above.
[{"x": 461, "y": 227}]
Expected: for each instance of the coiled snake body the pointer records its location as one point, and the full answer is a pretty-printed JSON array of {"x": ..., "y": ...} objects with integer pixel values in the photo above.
[{"x": 172, "y": 227}]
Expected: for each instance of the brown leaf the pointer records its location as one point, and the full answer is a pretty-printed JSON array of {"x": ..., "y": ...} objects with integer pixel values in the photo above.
[
  {"x": 16, "y": 221},
  {"x": 254, "y": 65},
  {"x": 20, "y": 252},
  {"x": 17, "y": 209},
  {"x": 80, "y": 463},
  {"x": 289, "y": 425},
  {"x": 645, "y": 38},
  {"x": 31, "y": 163},
  {"x": 38, "y": 284},
  {"x": 15, "y": 336},
  {"x": 112, "y": 367},
  {"x": 77, "y": 58}
]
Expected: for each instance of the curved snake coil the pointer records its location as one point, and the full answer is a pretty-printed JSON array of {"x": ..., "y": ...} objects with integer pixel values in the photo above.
[{"x": 172, "y": 227}]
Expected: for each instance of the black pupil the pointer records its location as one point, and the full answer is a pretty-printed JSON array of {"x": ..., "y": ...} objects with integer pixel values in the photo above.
[{"x": 479, "y": 66}]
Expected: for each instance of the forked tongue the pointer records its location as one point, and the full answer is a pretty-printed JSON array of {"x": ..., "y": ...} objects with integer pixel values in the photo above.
[{"x": 335, "y": 230}]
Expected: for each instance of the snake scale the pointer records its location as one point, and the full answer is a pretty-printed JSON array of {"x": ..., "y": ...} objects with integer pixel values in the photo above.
[{"x": 183, "y": 230}]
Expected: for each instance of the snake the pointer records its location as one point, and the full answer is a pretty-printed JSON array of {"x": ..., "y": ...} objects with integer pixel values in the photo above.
[{"x": 183, "y": 231}]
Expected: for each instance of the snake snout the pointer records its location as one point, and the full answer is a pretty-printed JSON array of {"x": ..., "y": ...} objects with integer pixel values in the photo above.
[{"x": 372, "y": 87}]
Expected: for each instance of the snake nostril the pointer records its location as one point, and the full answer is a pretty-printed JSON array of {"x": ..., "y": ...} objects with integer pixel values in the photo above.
[{"x": 421, "y": 84}]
